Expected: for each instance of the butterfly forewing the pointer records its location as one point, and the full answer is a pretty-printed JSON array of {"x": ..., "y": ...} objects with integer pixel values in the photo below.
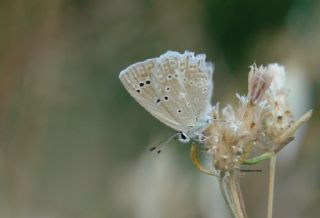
[{"x": 137, "y": 80}]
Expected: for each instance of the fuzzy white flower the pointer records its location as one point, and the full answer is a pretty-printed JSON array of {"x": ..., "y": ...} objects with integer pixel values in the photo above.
[
  {"x": 280, "y": 116},
  {"x": 259, "y": 81},
  {"x": 278, "y": 74}
]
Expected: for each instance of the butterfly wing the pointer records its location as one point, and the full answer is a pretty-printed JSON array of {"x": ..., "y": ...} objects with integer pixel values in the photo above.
[
  {"x": 184, "y": 82},
  {"x": 137, "y": 81},
  {"x": 199, "y": 84}
]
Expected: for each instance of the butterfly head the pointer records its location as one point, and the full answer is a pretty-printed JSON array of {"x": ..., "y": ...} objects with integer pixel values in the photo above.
[{"x": 183, "y": 137}]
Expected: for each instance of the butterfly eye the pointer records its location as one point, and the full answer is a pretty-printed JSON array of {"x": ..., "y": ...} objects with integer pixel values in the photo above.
[{"x": 183, "y": 138}]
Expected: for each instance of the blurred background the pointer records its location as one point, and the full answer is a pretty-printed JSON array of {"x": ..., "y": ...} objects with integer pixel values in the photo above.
[{"x": 74, "y": 144}]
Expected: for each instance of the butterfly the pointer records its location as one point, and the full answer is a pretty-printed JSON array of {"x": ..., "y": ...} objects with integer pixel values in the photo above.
[{"x": 176, "y": 88}]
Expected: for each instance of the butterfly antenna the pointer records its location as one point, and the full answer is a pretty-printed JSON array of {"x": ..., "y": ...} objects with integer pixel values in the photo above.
[{"x": 158, "y": 148}]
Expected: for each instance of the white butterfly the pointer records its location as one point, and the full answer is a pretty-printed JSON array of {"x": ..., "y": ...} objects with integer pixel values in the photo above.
[{"x": 176, "y": 89}]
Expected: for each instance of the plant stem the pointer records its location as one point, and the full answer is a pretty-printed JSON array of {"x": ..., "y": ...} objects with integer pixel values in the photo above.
[
  {"x": 226, "y": 195},
  {"x": 271, "y": 184},
  {"x": 237, "y": 196},
  {"x": 233, "y": 195}
]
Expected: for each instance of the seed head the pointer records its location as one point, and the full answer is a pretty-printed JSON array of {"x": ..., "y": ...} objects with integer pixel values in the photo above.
[{"x": 263, "y": 117}]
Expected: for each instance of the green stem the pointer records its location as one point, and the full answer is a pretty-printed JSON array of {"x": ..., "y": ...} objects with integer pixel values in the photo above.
[
  {"x": 271, "y": 184},
  {"x": 258, "y": 159}
]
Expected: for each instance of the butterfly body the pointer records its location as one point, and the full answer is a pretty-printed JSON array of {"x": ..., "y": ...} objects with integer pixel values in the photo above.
[{"x": 175, "y": 88}]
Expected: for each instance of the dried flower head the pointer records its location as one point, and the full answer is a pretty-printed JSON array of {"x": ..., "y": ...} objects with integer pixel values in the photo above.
[
  {"x": 227, "y": 139},
  {"x": 280, "y": 116},
  {"x": 263, "y": 117}
]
